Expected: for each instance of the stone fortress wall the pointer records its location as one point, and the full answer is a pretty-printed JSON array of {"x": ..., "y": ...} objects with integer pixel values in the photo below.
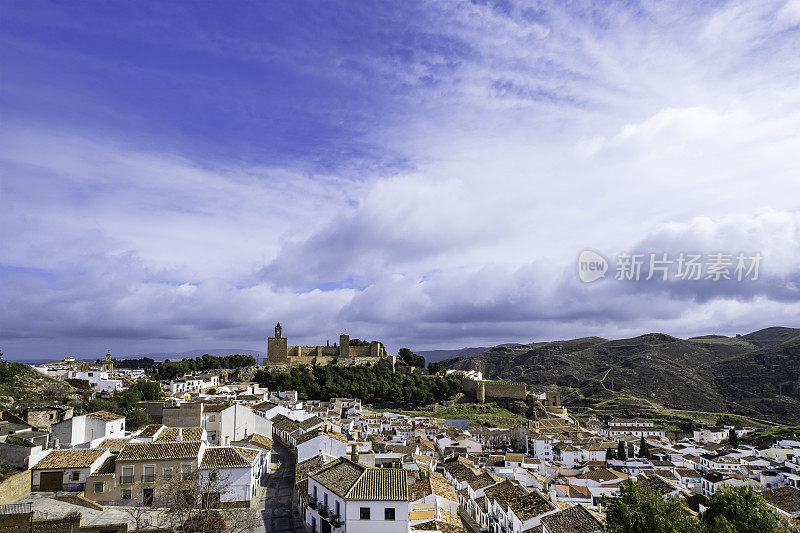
[
  {"x": 494, "y": 389},
  {"x": 280, "y": 353}
]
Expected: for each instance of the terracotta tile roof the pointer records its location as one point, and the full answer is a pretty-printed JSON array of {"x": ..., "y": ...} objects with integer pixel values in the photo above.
[
  {"x": 447, "y": 523},
  {"x": 310, "y": 465},
  {"x": 113, "y": 445},
  {"x": 525, "y": 505},
  {"x": 225, "y": 457},
  {"x": 484, "y": 480},
  {"x": 305, "y": 437},
  {"x": 602, "y": 474},
  {"x": 248, "y": 453},
  {"x": 357, "y": 482},
  {"x": 309, "y": 423},
  {"x": 436, "y": 484},
  {"x": 214, "y": 407},
  {"x": 784, "y": 498},
  {"x": 656, "y": 483},
  {"x": 285, "y": 424},
  {"x": 180, "y": 434},
  {"x": 257, "y": 439},
  {"x": 529, "y": 506},
  {"x": 573, "y": 520},
  {"x": 136, "y": 451},
  {"x": 58, "y": 459},
  {"x": 151, "y": 430},
  {"x": 105, "y": 416},
  {"x": 107, "y": 467}
]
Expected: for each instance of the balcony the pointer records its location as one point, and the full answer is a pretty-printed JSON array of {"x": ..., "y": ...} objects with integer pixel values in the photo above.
[
  {"x": 127, "y": 480},
  {"x": 324, "y": 512},
  {"x": 336, "y": 521},
  {"x": 148, "y": 478},
  {"x": 312, "y": 502}
]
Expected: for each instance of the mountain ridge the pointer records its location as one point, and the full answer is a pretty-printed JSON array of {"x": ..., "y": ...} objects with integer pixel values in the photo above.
[{"x": 710, "y": 373}]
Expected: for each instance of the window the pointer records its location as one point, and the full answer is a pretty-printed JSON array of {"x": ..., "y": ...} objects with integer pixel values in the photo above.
[
  {"x": 338, "y": 513},
  {"x": 98, "y": 487},
  {"x": 325, "y": 498},
  {"x": 75, "y": 475},
  {"x": 126, "y": 494},
  {"x": 388, "y": 513},
  {"x": 211, "y": 418},
  {"x": 212, "y": 476},
  {"x": 149, "y": 473},
  {"x": 186, "y": 472},
  {"x": 169, "y": 472},
  {"x": 363, "y": 513},
  {"x": 127, "y": 474}
]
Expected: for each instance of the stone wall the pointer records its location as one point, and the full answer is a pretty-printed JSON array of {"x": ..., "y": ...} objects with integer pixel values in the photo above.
[
  {"x": 15, "y": 487},
  {"x": 494, "y": 389}
]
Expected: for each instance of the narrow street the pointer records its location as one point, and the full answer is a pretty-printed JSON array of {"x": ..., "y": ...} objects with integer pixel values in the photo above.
[{"x": 277, "y": 509}]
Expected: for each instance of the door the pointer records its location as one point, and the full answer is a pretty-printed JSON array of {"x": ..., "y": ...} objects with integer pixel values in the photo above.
[
  {"x": 326, "y": 526},
  {"x": 147, "y": 496},
  {"x": 51, "y": 481}
]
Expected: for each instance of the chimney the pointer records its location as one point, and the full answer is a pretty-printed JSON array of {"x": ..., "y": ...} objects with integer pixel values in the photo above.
[{"x": 354, "y": 453}]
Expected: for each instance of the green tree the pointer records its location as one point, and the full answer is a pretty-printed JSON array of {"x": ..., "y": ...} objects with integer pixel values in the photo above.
[
  {"x": 739, "y": 510},
  {"x": 436, "y": 368},
  {"x": 621, "y": 455},
  {"x": 644, "y": 451},
  {"x": 733, "y": 439},
  {"x": 410, "y": 358},
  {"x": 639, "y": 509},
  {"x": 148, "y": 390},
  {"x": 137, "y": 418}
]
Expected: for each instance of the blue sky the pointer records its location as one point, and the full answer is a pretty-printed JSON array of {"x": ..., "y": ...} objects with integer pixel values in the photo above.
[{"x": 181, "y": 175}]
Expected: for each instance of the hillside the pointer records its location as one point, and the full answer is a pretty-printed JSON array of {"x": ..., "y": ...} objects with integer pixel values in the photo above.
[
  {"x": 20, "y": 385},
  {"x": 656, "y": 372},
  {"x": 772, "y": 336}
]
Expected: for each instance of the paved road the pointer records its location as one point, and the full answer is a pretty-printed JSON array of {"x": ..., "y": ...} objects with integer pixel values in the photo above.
[{"x": 278, "y": 513}]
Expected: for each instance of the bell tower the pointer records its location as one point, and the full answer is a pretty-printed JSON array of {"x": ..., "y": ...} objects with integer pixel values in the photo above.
[
  {"x": 108, "y": 365},
  {"x": 277, "y": 347}
]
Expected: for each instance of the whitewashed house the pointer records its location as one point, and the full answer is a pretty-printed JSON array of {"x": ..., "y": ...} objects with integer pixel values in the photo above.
[
  {"x": 347, "y": 496},
  {"x": 89, "y": 428}
]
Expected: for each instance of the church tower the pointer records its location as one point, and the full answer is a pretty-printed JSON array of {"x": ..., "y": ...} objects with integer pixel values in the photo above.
[
  {"x": 108, "y": 365},
  {"x": 277, "y": 347}
]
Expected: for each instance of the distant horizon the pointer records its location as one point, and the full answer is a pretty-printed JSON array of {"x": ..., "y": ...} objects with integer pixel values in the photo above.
[{"x": 160, "y": 356}]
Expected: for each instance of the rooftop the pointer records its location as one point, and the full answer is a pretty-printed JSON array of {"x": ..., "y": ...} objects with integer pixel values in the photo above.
[{"x": 58, "y": 459}]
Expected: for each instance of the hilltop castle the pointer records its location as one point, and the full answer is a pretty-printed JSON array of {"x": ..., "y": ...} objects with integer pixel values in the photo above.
[{"x": 280, "y": 353}]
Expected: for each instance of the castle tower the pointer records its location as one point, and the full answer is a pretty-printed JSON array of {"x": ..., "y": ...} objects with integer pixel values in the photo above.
[
  {"x": 277, "y": 347},
  {"x": 344, "y": 345}
]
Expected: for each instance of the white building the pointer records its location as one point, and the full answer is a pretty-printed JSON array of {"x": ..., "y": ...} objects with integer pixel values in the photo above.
[
  {"x": 87, "y": 429},
  {"x": 99, "y": 380},
  {"x": 229, "y": 474},
  {"x": 66, "y": 469},
  {"x": 347, "y": 496},
  {"x": 189, "y": 383}
]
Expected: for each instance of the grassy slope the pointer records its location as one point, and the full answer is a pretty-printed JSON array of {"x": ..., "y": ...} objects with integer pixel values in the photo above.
[
  {"x": 481, "y": 414},
  {"x": 21, "y": 386}
]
